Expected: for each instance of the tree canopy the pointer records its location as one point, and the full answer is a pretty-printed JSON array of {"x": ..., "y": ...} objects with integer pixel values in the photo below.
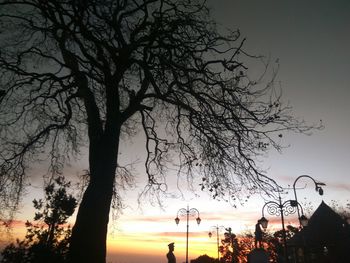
[
  {"x": 90, "y": 73},
  {"x": 47, "y": 238}
]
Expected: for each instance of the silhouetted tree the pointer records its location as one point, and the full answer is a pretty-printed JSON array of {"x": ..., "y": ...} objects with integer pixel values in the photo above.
[
  {"x": 92, "y": 72},
  {"x": 46, "y": 240},
  {"x": 290, "y": 232},
  {"x": 276, "y": 239},
  {"x": 204, "y": 259},
  {"x": 229, "y": 248},
  {"x": 243, "y": 244}
]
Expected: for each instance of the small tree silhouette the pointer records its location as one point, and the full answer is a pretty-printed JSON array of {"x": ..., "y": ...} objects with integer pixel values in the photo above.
[
  {"x": 243, "y": 244},
  {"x": 204, "y": 259},
  {"x": 47, "y": 239}
]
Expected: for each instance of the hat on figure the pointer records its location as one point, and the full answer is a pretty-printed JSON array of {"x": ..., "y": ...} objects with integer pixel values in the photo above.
[{"x": 171, "y": 244}]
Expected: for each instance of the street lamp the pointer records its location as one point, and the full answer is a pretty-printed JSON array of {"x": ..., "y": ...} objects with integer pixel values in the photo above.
[
  {"x": 264, "y": 222},
  {"x": 187, "y": 212},
  {"x": 282, "y": 209},
  {"x": 303, "y": 220},
  {"x": 210, "y": 234},
  {"x": 318, "y": 189}
]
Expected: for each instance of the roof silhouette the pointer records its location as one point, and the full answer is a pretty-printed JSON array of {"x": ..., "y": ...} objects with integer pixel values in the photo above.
[{"x": 325, "y": 228}]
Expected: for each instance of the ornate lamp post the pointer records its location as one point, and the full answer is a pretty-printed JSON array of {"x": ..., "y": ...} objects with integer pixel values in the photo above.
[
  {"x": 187, "y": 212},
  {"x": 210, "y": 234},
  {"x": 318, "y": 189},
  {"x": 282, "y": 209}
]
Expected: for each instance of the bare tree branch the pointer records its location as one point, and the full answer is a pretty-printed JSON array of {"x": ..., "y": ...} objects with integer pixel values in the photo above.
[{"x": 76, "y": 73}]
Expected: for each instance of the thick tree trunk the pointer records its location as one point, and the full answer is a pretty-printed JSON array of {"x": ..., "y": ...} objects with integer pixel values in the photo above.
[{"x": 88, "y": 241}]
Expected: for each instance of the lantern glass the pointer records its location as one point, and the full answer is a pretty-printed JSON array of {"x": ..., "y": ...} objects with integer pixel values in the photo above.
[
  {"x": 303, "y": 220},
  {"x": 320, "y": 191},
  {"x": 264, "y": 222}
]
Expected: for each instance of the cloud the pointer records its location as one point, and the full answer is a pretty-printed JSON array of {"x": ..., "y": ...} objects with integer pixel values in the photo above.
[
  {"x": 16, "y": 223},
  {"x": 340, "y": 186}
]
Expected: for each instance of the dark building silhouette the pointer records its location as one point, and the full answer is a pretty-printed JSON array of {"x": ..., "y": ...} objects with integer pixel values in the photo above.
[{"x": 326, "y": 239}]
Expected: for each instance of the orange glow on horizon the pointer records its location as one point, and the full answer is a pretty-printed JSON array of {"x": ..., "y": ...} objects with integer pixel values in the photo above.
[
  {"x": 150, "y": 242},
  {"x": 156, "y": 244}
]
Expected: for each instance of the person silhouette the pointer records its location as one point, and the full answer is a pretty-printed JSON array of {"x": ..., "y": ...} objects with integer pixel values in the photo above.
[
  {"x": 258, "y": 235},
  {"x": 170, "y": 255}
]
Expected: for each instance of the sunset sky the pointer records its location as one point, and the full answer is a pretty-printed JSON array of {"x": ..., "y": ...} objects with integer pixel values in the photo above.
[{"x": 311, "y": 41}]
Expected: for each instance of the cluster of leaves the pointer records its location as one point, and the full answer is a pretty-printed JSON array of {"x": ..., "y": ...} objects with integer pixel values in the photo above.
[{"x": 47, "y": 239}]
